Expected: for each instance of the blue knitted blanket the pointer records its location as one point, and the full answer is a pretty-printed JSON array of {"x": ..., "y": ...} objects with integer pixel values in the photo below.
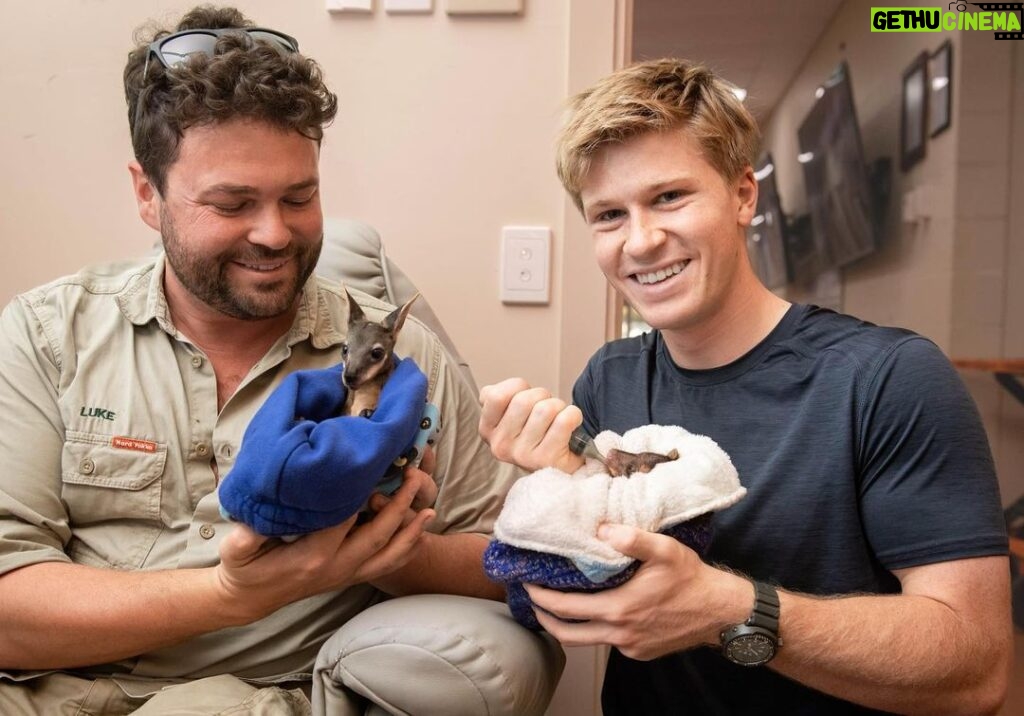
[
  {"x": 546, "y": 533},
  {"x": 514, "y": 567}
]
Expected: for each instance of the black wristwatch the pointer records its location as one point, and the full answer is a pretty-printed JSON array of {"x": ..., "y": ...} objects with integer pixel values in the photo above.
[{"x": 755, "y": 641}]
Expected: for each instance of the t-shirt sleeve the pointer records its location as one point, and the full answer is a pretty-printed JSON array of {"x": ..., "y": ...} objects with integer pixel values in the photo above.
[{"x": 928, "y": 486}]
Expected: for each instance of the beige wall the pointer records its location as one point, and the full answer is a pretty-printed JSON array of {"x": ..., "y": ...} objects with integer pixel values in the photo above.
[
  {"x": 954, "y": 277},
  {"x": 444, "y": 136},
  {"x": 988, "y": 301}
]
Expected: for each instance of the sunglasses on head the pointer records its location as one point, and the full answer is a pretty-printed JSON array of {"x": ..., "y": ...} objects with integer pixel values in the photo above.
[{"x": 177, "y": 48}]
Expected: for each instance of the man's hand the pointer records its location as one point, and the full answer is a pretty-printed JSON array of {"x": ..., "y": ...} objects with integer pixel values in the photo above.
[
  {"x": 528, "y": 427},
  {"x": 674, "y": 601},
  {"x": 426, "y": 492},
  {"x": 261, "y": 575}
]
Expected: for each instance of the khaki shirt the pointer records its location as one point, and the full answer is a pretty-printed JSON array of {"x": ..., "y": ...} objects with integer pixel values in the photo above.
[{"x": 112, "y": 437}]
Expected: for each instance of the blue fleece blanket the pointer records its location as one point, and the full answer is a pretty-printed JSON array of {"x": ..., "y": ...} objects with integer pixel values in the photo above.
[{"x": 302, "y": 467}]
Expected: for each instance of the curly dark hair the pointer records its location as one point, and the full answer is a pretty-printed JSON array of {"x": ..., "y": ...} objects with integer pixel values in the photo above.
[{"x": 243, "y": 78}]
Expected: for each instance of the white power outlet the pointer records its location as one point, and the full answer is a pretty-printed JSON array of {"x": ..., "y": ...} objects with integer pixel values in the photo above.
[{"x": 525, "y": 258}]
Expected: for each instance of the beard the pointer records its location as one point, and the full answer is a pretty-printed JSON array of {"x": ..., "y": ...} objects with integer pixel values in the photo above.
[{"x": 207, "y": 277}]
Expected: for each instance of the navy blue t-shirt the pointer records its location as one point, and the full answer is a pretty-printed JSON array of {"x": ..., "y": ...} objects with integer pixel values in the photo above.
[{"x": 861, "y": 452}]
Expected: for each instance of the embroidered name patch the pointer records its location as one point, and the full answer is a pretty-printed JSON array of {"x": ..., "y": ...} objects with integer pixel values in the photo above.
[{"x": 125, "y": 443}]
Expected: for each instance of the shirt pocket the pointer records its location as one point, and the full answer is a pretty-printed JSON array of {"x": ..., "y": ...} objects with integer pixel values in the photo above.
[{"x": 107, "y": 484}]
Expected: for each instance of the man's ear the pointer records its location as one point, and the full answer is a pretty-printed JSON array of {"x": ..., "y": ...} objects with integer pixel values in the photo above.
[
  {"x": 146, "y": 195},
  {"x": 746, "y": 196}
]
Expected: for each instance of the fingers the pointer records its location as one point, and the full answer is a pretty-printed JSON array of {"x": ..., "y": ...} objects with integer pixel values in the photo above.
[
  {"x": 242, "y": 545},
  {"x": 325, "y": 540},
  {"x": 397, "y": 550},
  {"x": 643, "y": 545},
  {"x": 629, "y": 541},
  {"x": 426, "y": 488},
  {"x": 268, "y": 573},
  {"x": 494, "y": 402},
  {"x": 425, "y": 491},
  {"x": 401, "y": 542},
  {"x": 428, "y": 463},
  {"x": 396, "y": 513},
  {"x": 528, "y": 426},
  {"x": 572, "y": 633},
  {"x": 578, "y": 606},
  {"x": 559, "y": 420}
]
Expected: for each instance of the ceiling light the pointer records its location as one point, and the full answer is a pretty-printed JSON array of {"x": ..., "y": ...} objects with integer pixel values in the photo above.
[
  {"x": 804, "y": 157},
  {"x": 764, "y": 172}
]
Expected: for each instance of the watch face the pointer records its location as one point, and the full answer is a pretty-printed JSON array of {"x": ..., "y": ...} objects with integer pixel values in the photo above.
[{"x": 750, "y": 649}]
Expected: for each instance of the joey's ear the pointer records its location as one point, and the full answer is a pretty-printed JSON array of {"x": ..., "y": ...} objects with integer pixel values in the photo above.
[
  {"x": 355, "y": 313},
  {"x": 396, "y": 319},
  {"x": 146, "y": 195}
]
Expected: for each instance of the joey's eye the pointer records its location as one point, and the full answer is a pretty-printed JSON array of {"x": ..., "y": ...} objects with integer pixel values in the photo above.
[
  {"x": 344, "y": 349},
  {"x": 669, "y": 196},
  {"x": 377, "y": 353}
]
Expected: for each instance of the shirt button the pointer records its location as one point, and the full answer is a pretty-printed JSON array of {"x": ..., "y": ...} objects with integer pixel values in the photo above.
[
  {"x": 225, "y": 450},
  {"x": 202, "y": 449},
  {"x": 197, "y": 361},
  {"x": 87, "y": 466},
  {"x": 207, "y": 531}
]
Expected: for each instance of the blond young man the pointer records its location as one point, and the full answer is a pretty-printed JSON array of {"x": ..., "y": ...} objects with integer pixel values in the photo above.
[
  {"x": 865, "y": 570},
  {"x": 121, "y": 585}
]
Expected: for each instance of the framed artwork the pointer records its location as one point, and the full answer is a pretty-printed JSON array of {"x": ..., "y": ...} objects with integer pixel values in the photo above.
[
  {"x": 485, "y": 7},
  {"x": 940, "y": 88},
  {"x": 914, "y": 112}
]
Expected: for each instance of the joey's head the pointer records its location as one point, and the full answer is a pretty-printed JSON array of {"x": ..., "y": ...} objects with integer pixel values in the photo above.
[
  {"x": 620, "y": 463},
  {"x": 367, "y": 349}
]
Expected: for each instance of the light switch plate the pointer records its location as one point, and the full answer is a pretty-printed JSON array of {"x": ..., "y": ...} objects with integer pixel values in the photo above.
[
  {"x": 484, "y": 7},
  {"x": 398, "y": 6},
  {"x": 350, "y": 5},
  {"x": 525, "y": 258}
]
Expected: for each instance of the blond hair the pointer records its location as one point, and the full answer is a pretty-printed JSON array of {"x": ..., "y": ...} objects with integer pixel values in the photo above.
[{"x": 657, "y": 95}]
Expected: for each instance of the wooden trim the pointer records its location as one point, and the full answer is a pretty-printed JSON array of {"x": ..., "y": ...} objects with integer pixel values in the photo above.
[
  {"x": 994, "y": 365},
  {"x": 623, "y": 56}
]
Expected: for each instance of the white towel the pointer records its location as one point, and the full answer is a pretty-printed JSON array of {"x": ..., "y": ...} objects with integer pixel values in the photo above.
[{"x": 558, "y": 513}]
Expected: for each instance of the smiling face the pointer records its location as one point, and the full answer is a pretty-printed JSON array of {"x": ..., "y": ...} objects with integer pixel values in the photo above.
[
  {"x": 669, "y": 231},
  {"x": 240, "y": 218}
]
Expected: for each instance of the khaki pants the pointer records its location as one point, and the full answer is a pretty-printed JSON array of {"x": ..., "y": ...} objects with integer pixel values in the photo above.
[{"x": 67, "y": 695}]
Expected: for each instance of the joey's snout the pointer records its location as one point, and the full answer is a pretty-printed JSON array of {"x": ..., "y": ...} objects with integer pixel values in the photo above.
[{"x": 351, "y": 379}]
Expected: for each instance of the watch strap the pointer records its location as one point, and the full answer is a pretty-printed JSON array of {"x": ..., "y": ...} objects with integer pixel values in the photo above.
[{"x": 766, "y": 608}]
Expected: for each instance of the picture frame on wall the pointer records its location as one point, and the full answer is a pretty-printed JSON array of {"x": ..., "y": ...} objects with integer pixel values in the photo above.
[
  {"x": 914, "y": 112},
  {"x": 940, "y": 89}
]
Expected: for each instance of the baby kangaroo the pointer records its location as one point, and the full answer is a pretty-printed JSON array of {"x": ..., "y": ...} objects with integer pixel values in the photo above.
[
  {"x": 623, "y": 464},
  {"x": 367, "y": 355}
]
